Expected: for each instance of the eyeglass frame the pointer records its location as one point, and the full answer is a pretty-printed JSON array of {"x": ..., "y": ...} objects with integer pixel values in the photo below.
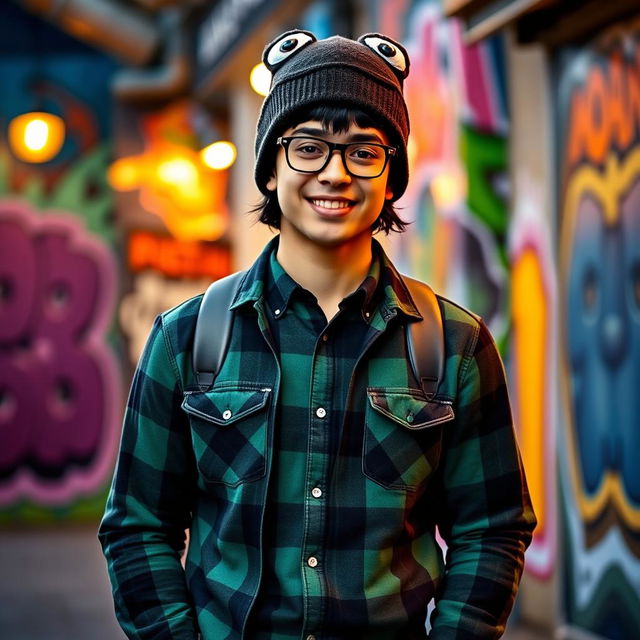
[{"x": 389, "y": 151}]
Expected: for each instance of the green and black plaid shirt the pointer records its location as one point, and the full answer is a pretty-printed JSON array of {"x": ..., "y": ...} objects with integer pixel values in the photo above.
[{"x": 313, "y": 474}]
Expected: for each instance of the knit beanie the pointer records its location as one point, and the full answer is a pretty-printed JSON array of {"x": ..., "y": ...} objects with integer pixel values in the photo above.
[{"x": 365, "y": 74}]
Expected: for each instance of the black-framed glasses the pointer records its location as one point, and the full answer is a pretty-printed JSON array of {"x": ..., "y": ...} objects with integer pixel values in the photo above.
[{"x": 307, "y": 154}]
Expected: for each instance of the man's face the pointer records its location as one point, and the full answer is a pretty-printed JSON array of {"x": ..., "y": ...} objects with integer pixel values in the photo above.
[{"x": 330, "y": 207}]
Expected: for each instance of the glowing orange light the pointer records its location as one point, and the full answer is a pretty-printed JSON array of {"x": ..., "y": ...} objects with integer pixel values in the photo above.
[
  {"x": 172, "y": 179},
  {"x": 126, "y": 174},
  {"x": 36, "y": 136},
  {"x": 260, "y": 79},
  {"x": 219, "y": 155},
  {"x": 178, "y": 171}
]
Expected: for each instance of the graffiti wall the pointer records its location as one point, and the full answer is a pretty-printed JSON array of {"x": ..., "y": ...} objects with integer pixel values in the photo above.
[
  {"x": 598, "y": 113},
  {"x": 60, "y": 380},
  {"x": 463, "y": 239},
  {"x": 85, "y": 269},
  {"x": 456, "y": 199}
]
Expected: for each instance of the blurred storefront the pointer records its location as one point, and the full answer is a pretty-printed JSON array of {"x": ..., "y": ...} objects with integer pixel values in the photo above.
[{"x": 524, "y": 202}]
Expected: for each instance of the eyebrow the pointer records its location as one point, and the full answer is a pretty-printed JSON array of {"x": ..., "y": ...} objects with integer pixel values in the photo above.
[{"x": 355, "y": 137}]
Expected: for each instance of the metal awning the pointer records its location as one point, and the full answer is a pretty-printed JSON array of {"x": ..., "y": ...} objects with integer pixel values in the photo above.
[{"x": 550, "y": 22}]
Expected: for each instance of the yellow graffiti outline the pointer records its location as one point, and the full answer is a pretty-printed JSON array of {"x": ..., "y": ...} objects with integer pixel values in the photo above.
[{"x": 607, "y": 186}]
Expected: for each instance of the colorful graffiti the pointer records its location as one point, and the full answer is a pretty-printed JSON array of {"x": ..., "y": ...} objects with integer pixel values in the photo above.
[
  {"x": 457, "y": 194},
  {"x": 60, "y": 382},
  {"x": 463, "y": 239},
  {"x": 532, "y": 370},
  {"x": 58, "y": 377},
  {"x": 599, "y": 109}
]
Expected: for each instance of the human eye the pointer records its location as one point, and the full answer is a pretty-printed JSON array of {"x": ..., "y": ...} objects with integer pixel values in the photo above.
[
  {"x": 308, "y": 148},
  {"x": 366, "y": 153}
]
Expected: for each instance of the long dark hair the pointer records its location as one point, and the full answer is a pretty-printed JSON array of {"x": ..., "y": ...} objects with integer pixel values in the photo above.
[{"x": 335, "y": 119}]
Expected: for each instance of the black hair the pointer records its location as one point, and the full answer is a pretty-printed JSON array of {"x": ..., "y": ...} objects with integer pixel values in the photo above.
[{"x": 335, "y": 119}]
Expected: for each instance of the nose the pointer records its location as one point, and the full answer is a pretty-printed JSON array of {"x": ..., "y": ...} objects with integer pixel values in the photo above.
[{"x": 335, "y": 172}]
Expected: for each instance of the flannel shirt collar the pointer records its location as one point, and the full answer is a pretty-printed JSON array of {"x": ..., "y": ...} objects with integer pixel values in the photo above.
[
  {"x": 395, "y": 292},
  {"x": 280, "y": 286},
  {"x": 383, "y": 285},
  {"x": 252, "y": 286}
]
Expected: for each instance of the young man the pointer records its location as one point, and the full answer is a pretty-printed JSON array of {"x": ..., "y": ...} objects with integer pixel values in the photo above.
[{"x": 314, "y": 471}]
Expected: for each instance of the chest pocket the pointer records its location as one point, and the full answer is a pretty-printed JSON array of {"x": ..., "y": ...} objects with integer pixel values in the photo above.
[
  {"x": 403, "y": 437},
  {"x": 229, "y": 433}
]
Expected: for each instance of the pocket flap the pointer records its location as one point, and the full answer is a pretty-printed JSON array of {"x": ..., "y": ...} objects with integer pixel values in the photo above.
[
  {"x": 225, "y": 406},
  {"x": 409, "y": 407}
]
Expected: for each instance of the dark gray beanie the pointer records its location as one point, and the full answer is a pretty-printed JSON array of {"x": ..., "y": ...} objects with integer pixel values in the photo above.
[{"x": 366, "y": 74}]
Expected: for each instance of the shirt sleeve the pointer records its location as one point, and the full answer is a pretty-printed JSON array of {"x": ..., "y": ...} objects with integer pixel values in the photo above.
[
  {"x": 148, "y": 509},
  {"x": 486, "y": 517}
]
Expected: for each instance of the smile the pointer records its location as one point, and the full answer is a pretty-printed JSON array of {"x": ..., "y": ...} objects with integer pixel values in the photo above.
[{"x": 331, "y": 204}]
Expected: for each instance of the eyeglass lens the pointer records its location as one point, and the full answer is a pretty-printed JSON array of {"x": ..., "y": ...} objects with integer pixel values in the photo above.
[{"x": 363, "y": 159}]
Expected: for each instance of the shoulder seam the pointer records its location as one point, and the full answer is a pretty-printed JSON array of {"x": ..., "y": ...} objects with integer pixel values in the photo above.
[
  {"x": 466, "y": 311},
  {"x": 169, "y": 350},
  {"x": 165, "y": 313},
  {"x": 468, "y": 354}
]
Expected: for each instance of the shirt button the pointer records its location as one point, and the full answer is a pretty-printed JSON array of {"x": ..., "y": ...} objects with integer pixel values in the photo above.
[
  {"x": 277, "y": 312},
  {"x": 312, "y": 562},
  {"x": 316, "y": 492},
  {"x": 321, "y": 412},
  {"x": 227, "y": 414}
]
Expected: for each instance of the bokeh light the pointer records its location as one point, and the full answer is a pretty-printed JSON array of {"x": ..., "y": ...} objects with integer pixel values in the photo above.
[
  {"x": 36, "y": 136},
  {"x": 260, "y": 79},
  {"x": 219, "y": 155}
]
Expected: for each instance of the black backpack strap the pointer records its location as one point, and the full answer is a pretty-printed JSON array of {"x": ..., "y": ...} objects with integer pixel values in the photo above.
[
  {"x": 213, "y": 328},
  {"x": 425, "y": 338}
]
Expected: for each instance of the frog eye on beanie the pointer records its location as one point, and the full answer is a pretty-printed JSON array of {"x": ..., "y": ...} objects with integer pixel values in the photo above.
[
  {"x": 392, "y": 52},
  {"x": 284, "y": 46}
]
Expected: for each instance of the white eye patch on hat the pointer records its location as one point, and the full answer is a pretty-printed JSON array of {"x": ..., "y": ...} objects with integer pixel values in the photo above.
[
  {"x": 288, "y": 44},
  {"x": 292, "y": 42},
  {"x": 391, "y": 52}
]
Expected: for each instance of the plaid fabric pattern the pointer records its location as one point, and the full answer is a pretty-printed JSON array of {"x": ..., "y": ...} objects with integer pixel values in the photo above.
[
  {"x": 316, "y": 361},
  {"x": 361, "y": 559}
]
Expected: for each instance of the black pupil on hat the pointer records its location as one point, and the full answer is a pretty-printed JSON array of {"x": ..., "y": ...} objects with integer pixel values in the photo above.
[
  {"x": 386, "y": 49},
  {"x": 288, "y": 45}
]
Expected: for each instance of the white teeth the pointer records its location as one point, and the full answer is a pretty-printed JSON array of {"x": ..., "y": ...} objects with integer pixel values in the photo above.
[{"x": 331, "y": 204}]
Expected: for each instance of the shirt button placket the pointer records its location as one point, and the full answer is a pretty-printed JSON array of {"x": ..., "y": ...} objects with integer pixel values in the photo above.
[{"x": 313, "y": 572}]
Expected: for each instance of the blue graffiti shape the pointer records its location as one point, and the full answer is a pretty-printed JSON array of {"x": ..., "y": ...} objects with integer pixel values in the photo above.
[{"x": 603, "y": 331}]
